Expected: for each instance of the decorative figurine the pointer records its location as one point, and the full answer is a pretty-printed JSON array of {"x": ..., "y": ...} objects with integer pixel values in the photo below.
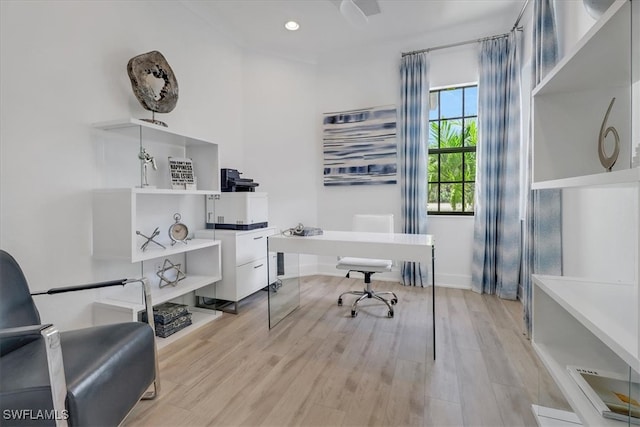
[
  {"x": 146, "y": 159},
  {"x": 153, "y": 84},
  {"x": 170, "y": 274},
  {"x": 150, "y": 239},
  {"x": 608, "y": 162}
]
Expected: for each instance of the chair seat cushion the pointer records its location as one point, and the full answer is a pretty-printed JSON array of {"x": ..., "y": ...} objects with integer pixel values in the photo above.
[
  {"x": 107, "y": 369},
  {"x": 364, "y": 264}
]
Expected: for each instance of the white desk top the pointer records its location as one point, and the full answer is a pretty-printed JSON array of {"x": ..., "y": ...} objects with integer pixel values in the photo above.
[{"x": 395, "y": 246}]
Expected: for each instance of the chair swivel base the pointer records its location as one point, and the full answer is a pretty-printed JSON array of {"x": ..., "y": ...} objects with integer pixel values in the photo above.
[{"x": 369, "y": 293}]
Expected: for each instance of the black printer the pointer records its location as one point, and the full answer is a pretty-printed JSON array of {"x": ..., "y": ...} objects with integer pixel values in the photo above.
[{"x": 231, "y": 181}]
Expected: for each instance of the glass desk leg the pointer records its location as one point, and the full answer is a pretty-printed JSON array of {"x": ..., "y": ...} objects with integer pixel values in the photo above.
[{"x": 284, "y": 290}]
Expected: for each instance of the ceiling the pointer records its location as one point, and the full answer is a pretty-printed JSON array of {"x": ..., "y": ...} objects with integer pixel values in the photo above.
[{"x": 259, "y": 24}]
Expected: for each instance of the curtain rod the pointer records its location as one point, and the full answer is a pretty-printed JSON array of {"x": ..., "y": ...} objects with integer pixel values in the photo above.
[
  {"x": 524, "y": 6},
  {"x": 497, "y": 36}
]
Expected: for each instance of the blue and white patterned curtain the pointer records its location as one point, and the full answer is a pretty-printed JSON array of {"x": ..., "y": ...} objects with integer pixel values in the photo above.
[
  {"x": 542, "y": 248},
  {"x": 496, "y": 232},
  {"x": 414, "y": 135}
]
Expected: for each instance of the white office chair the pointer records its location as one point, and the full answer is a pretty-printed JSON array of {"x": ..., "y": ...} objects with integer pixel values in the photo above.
[{"x": 368, "y": 266}]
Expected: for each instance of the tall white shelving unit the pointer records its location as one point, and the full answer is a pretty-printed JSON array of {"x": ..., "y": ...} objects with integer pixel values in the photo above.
[
  {"x": 589, "y": 317},
  {"x": 124, "y": 206}
]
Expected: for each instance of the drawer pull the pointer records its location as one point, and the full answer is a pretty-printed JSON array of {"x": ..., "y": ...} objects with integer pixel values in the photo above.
[
  {"x": 258, "y": 266},
  {"x": 258, "y": 238}
]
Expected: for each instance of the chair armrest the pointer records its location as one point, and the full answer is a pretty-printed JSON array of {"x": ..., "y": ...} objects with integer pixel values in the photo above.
[
  {"x": 146, "y": 291},
  {"x": 97, "y": 285},
  {"x": 23, "y": 331}
]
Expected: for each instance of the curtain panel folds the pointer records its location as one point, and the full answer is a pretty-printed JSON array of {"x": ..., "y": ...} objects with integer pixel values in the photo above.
[
  {"x": 414, "y": 135},
  {"x": 542, "y": 246},
  {"x": 497, "y": 238}
]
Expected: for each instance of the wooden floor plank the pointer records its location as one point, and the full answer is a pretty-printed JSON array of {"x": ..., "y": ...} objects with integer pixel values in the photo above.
[
  {"x": 441, "y": 413},
  {"x": 321, "y": 367}
]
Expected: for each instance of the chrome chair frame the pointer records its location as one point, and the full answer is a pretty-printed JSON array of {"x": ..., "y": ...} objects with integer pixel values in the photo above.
[
  {"x": 51, "y": 337},
  {"x": 368, "y": 293}
]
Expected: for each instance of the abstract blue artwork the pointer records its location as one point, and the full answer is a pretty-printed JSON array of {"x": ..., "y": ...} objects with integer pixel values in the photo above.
[{"x": 360, "y": 146}]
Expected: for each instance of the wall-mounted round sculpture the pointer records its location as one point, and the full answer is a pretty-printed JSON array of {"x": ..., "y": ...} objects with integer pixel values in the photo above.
[
  {"x": 153, "y": 83},
  {"x": 608, "y": 161}
]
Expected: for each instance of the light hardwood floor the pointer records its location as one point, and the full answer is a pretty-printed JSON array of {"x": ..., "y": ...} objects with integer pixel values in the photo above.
[{"x": 321, "y": 367}]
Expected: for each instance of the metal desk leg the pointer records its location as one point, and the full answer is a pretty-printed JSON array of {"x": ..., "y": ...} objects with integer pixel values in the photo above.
[{"x": 433, "y": 296}]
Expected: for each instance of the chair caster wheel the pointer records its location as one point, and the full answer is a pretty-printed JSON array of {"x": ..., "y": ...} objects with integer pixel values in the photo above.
[
  {"x": 339, "y": 302},
  {"x": 390, "y": 314},
  {"x": 354, "y": 313},
  {"x": 394, "y": 301}
]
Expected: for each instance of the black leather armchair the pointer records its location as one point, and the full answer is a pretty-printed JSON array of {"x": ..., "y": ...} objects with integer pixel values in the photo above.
[{"x": 87, "y": 377}]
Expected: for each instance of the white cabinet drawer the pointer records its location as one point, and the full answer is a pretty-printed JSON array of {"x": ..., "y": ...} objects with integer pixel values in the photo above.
[
  {"x": 251, "y": 277},
  {"x": 251, "y": 246}
]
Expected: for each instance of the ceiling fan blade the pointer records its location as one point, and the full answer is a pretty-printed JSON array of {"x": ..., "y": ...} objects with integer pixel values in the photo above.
[
  {"x": 353, "y": 14},
  {"x": 368, "y": 7}
]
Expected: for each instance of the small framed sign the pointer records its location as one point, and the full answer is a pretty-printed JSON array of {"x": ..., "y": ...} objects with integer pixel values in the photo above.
[{"x": 181, "y": 170}]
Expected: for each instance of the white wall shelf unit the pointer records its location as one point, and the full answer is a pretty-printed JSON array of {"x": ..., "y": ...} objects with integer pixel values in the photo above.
[
  {"x": 623, "y": 176},
  {"x": 110, "y": 311},
  {"x": 119, "y": 212},
  {"x": 590, "y": 317},
  {"x": 606, "y": 310},
  {"x": 129, "y": 135},
  {"x": 569, "y": 105}
]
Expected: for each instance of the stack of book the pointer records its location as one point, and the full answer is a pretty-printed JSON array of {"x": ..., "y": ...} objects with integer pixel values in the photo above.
[
  {"x": 169, "y": 318},
  {"x": 615, "y": 396}
]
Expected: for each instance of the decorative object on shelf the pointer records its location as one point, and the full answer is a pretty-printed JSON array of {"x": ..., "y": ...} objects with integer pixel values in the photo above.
[
  {"x": 181, "y": 170},
  {"x": 595, "y": 8},
  {"x": 146, "y": 159},
  {"x": 178, "y": 232},
  {"x": 170, "y": 274},
  {"x": 169, "y": 318},
  {"x": 153, "y": 83},
  {"x": 360, "y": 146},
  {"x": 150, "y": 239},
  {"x": 608, "y": 162},
  {"x": 612, "y": 394},
  {"x": 163, "y": 331}
]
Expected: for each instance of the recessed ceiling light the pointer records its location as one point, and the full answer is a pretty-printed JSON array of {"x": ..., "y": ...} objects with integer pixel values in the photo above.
[{"x": 292, "y": 25}]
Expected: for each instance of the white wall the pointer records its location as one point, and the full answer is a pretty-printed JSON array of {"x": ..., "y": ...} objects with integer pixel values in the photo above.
[
  {"x": 280, "y": 146},
  {"x": 279, "y": 136}
]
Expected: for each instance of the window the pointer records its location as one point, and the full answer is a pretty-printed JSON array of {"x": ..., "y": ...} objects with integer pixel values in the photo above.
[{"x": 453, "y": 134}]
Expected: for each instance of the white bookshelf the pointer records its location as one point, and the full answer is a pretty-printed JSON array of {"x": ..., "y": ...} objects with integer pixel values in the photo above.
[
  {"x": 123, "y": 207},
  {"x": 569, "y": 105},
  {"x": 624, "y": 176},
  {"x": 122, "y": 140},
  {"x": 112, "y": 311},
  {"x": 606, "y": 310},
  {"x": 590, "y": 317}
]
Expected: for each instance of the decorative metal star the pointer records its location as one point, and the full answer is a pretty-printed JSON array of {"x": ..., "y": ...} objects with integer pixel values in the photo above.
[{"x": 170, "y": 274}]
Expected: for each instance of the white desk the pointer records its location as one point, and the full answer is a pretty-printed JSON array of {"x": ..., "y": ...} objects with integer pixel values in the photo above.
[{"x": 394, "y": 246}]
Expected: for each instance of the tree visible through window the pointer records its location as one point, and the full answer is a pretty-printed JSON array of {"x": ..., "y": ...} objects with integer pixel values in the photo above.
[{"x": 453, "y": 134}]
